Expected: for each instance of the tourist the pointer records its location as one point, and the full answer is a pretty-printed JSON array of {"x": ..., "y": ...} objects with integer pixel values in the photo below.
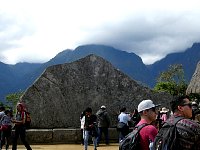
[
  {"x": 122, "y": 125},
  {"x": 135, "y": 118},
  {"x": 148, "y": 113},
  {"x": 195, "y": 112},
  {"x": 164, "y": 114},
  {"x": 5, "y": 129},
  {"x": 188, "y": 131},
  {"x": 20, "y": 129},
  {"x": 103, "y": 123},
  {"x": 90, "y": 128},
  {"x": 2, "y": 111},
  {"x": 82, "y": 120}
]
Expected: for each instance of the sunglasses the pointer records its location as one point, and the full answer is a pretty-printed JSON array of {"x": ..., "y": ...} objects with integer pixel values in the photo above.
[{"x": 188, "y": 104}]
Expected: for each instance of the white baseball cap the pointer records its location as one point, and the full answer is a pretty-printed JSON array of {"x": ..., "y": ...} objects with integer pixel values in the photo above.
[
  {"x": 146, "y": 104},
  {"x": 103, "y": 107}
]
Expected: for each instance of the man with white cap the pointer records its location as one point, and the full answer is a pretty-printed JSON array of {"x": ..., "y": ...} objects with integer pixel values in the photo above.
[
  {"x": 148, "y": 113},
  {"x": 103, "y": 123}
]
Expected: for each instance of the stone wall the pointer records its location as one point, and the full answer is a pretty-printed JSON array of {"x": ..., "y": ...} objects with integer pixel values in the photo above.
[
  {"x": 194, "y": 86},
  {"x": 62, "y": 136}
]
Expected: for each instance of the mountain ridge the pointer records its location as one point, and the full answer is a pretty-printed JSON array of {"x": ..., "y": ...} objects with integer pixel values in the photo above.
[{"x": 129, "y": 63}]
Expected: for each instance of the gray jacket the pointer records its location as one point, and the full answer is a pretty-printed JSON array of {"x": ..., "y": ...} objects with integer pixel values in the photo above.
[{"x": 103, "y": 118}]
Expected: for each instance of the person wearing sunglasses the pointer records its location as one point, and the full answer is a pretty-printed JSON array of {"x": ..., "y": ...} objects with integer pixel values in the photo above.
[
  {"x": 188, "y": 131},
  {"x": 148, "y": 112}
]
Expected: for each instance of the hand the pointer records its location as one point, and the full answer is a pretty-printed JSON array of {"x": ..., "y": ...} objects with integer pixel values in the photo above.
[
  {"x": 91, "y": 125},
  {"x": 13, "y": 121}
]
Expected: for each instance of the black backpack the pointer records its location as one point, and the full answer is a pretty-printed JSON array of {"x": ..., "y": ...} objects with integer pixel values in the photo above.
[
  {"x": 166, "y": 137},
  {"x": 28, "y": 120},
  {"x": 132, "y": 140}
]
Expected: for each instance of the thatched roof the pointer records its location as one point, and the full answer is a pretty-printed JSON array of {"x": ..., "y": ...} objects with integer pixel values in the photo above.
[{"x": 194, "y": 86}]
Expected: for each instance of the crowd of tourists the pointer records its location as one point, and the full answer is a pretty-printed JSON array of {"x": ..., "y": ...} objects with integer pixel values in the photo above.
[
  {"x": 17, "y": 123},
  {"x": 155, "y": 123},
  {"x": 158, "y": 127}
]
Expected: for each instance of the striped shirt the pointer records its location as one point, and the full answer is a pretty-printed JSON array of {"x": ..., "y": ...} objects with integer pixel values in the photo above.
[{"x": 188, "y": 137}]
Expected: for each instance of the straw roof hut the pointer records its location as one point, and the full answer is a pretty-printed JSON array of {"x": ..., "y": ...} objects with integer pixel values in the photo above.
[{"x": 194, "y": 86}]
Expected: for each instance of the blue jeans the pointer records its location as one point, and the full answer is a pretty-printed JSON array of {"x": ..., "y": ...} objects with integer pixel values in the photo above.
[
  {"x": 86, "y": 137},
  {"x": 106, "y": 135}
]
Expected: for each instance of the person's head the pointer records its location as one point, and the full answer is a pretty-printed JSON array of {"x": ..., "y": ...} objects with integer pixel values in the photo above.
[
  {"x": 182, "y": 106},
  {"x": 20, "y": 107},
  {"x": 103, "y": 107},
  {"x": 2, "y": 108},
  {"x": 82, "y": 114},
  {"x": 123, "y": 109},
  {"x": 194, "y": 106},
  {"x": 88, "y": 111},
  {"x": 135, "y": 111},
  {"x": 164, "y": 110},
  {"x": 8, "y": 112},
  {"x": 147, "y": 110}
]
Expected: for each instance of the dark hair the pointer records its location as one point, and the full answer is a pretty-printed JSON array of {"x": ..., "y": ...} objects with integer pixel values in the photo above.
[
  {"x": 7, "y": 111},
  {"x": 177, "y": 102},
  {"x": 123, "y": 109},
  {"x": 136, "y": 111},
  {"x": 88, "y": 109},
  {"x": 2, "y": 108},
  {"x": 82, "y": 114}
]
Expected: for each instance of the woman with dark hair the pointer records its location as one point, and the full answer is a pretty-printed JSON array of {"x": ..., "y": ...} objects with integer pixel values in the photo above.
[
  {"x": 135, "y": 118},
  {"x": 20, "y": 129}
]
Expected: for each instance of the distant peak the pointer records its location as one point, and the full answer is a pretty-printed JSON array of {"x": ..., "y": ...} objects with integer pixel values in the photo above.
[{"x": 196, "y": 45}]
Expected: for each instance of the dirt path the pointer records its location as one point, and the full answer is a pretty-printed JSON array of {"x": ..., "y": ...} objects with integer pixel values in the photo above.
[{"x": 113, "y": 146}]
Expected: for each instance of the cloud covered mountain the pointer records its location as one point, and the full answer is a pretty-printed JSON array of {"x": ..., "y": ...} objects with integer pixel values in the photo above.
[{"x": 14, "y": 78}]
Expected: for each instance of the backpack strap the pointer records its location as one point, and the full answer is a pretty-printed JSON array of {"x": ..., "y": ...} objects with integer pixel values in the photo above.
[
  {"x": 23, "y": 116},
  {"x": 139, "y": 127},
  {"x": 175, "y": 120},
  {"x": 2, "y": 118}
]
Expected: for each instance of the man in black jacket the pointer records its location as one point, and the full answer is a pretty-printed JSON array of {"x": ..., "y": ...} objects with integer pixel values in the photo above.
[{"x": 90, "y": 128}]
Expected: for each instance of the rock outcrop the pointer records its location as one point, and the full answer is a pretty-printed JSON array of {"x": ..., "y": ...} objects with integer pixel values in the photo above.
[
  {"x": 194, "y": 86},
  {"x": 63, "y": 91}
]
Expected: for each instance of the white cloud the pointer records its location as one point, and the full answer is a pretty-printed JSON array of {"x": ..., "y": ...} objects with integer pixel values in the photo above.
[{"x": 35, "y": 31}]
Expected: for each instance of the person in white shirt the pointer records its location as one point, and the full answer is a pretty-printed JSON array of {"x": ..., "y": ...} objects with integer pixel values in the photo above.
[
  {"x": 82, "y": 120},
  {"x": 123, "y": 120},
  {"x": 2, "y": 111}
]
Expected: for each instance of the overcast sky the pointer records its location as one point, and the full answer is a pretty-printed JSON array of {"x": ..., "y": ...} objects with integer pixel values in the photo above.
[{"x": 37, "y": 30}]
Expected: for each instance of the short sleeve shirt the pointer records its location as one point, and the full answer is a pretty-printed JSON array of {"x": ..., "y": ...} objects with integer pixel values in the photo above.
[
  {"x": 123, "y": 117},
  {"x": 147, "y": 134}
]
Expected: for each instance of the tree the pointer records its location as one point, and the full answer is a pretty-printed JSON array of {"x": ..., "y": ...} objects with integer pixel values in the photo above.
[
  {"x": 172, "y": 80},
  {"x": 13, "y": 98}
]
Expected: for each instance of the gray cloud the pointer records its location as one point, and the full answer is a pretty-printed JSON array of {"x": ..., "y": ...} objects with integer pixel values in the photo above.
[
  {"x": 153, "y": 35},
  {"x": 11, "y": 31},
  {"x": 150, "y": 34}
]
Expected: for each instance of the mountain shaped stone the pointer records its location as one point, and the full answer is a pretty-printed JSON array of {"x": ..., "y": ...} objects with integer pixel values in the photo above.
[
  {"x": 194, "y": 86},
  {"x": 57, "y": 98}
]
